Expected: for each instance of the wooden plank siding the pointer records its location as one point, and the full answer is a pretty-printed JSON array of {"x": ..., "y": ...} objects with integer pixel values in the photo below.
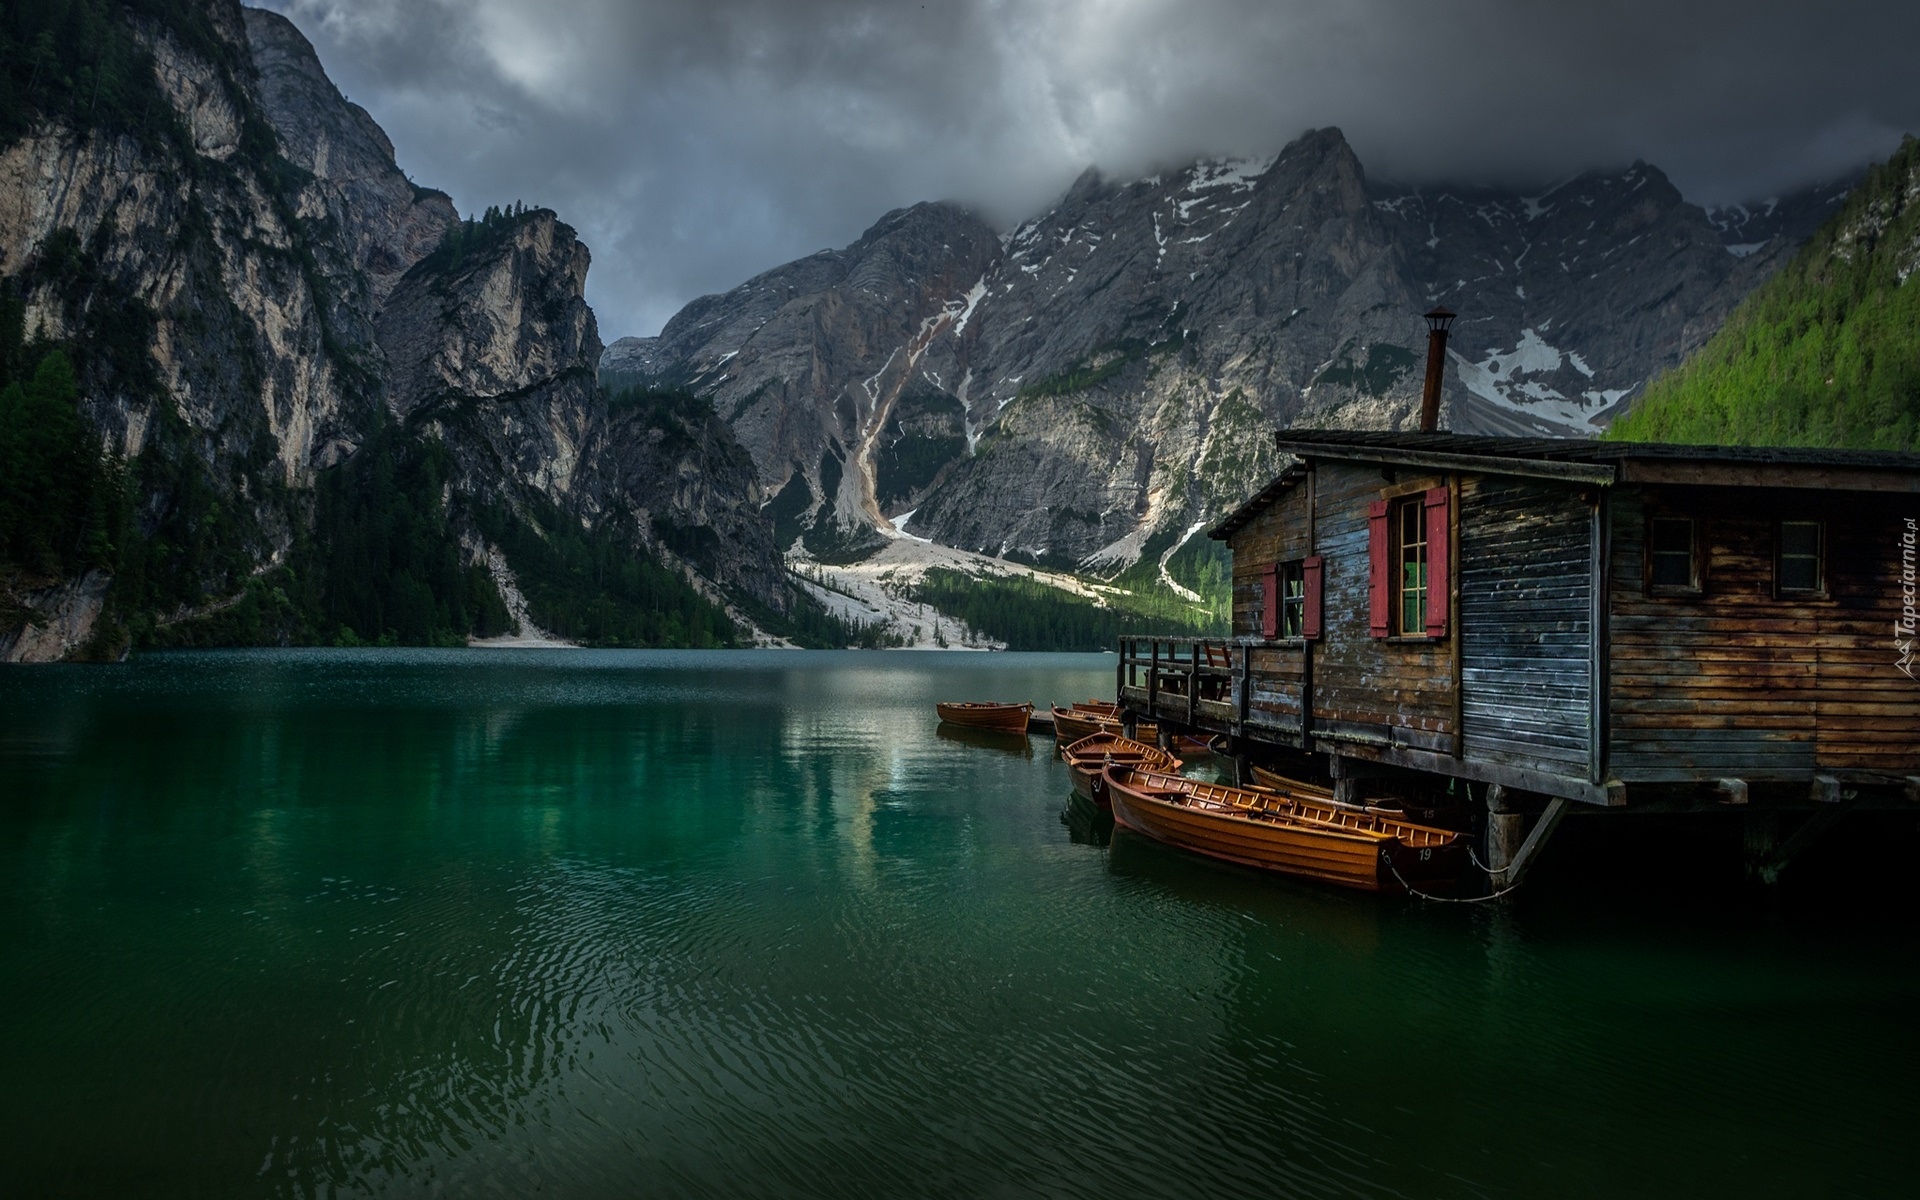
[
  {"x": 1737, "y": 682},
  {"x": 1277, "y": 535},
  {"x": 1277, "y": 669},
  {"x": 1526, "y": 624},
  {"x": 1399, "y": 690},
  {"x": 1733, "y": 682},
  {"x": 1866, "y": 712},
  {"x": 1367, "y": 687},
  {"x": 1277, "y": 672}
]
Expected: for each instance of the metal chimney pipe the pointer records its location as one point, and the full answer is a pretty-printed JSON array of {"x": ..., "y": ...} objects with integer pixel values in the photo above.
[{"x": 1438, "y": 322}]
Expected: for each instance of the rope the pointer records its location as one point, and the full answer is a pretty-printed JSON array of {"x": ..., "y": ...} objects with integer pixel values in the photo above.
[
  {"x": 1474, "y": 858},
  {"x": 1413, "y": 891}
]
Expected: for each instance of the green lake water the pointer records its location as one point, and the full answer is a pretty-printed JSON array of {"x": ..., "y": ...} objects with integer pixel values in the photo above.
[{"x": 340, "y": 923}]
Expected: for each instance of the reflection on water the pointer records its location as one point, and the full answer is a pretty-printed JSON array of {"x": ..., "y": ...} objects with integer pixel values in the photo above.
[
  {"x": 1085, "y": 823},
  {"x": 1019, "y": 745},
  {"x": 682, "y": 924}
]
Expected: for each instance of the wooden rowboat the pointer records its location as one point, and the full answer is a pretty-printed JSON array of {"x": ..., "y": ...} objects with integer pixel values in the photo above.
[
  {"x": 1286, "y": 834},
  {"x": 1008, "y": 718},
  {"x": 1000, "y": 741},
  {"x": 1086, "y": 757},
  {"x": 1072, "y": 724},
  {"x": 1456, "y": 817},
  {"x": 1273, "y": 781}
]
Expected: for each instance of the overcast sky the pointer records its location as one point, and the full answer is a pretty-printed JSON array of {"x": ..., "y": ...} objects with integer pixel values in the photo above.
[{"x": 695, "y": 143}]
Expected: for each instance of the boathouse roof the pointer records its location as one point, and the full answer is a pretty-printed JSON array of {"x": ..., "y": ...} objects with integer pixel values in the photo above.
[{"x": 1592, "y": 463}]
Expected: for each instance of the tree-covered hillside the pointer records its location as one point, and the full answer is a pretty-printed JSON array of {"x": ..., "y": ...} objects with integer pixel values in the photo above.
[
  {"x": 1027, "y": 614},
  {"x": 1827, "y": 352}
]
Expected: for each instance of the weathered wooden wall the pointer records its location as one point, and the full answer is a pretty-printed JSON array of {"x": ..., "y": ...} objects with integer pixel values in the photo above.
[
  {"x": 1734, "y": 682},
  {"x": 1276, "y": 679},
  {"x": 1526, "y": 612},
  {"x": 1867, "y": 713},
  {"x": 1363, "y": 687},
  {"x": 1277, "y": 535},
  {"x": 1731, "y": 683},
  {"x": 1278, "y": 668}
]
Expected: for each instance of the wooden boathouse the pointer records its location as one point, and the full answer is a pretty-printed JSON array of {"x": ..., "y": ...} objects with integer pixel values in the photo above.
[{"x": 1556, "y": 622}]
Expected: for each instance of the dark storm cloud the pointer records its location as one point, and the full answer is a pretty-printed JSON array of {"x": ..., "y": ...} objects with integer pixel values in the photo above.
[{"x": 697, "y": 142}]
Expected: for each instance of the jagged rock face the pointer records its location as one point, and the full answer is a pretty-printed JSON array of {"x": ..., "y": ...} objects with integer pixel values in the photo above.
[
  {"x": 631, "y": 356},
  {"x": 66, "y": 615},
  {"x": 227, "y": 306},
  {"x": 808, "y": 362},
  {"x": 695, "y": 493},
  {"x": 264, "y": 288},
  {"x": 384, "y": 220},
  {"x": 1140, "y": 330},
  {"x": 494, "y": 354},
  {"x": 262, "y": 285},
  {"x": 1115, "y": 370},
  {"x": 498, "y": 352},
  {"x": 1779, "y": 223}
]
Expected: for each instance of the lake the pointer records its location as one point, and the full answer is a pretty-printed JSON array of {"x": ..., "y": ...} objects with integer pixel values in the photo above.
[{"x": 334, "y": 923}]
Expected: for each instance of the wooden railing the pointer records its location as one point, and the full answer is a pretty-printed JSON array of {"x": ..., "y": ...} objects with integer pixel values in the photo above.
[
  {"x": 1240, "y": 686},
  {"x": 1178, "y": 673}
]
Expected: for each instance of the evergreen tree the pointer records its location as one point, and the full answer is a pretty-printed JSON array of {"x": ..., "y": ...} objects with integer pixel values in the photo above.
[
  {"x": 1827, "y": 352},
  {"x": 1029, "y": 615},
  {"x": 52, "y": 504}
]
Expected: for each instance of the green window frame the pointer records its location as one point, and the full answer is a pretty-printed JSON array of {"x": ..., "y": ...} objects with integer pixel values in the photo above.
[
  {"x": 1293, "y": 599},
  {"x": 1410, "y": 568}
]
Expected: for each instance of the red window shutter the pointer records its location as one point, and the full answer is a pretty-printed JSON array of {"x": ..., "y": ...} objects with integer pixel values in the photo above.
[
  {"x": 1378, "y": 580},
  {"x": 1310, "y": 620},
  {"x": 1439, "y": 558},
  {"x": 1270, "y": 602}
]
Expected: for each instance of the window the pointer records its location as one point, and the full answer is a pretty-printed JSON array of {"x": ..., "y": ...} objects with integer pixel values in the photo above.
[
  {"x": 1799, "y": 567},
  {"x": 1409, "y": 553},
  {"x": 1293, "y": 599},
  {"x": 1673, "y": 555},
  {"x": 1290, "y": 607}
]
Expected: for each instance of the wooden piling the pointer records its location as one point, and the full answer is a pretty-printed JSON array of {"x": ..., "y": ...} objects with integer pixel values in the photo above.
[
  {"x": 1506, "y": 831},
  {"x": 1347, "y": 781},
  {"x": 1759, "y": 838}
]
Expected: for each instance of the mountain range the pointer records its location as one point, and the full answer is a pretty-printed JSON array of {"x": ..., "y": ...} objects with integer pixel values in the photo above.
[
  {"x": 1099, "y": 383},
  {"x": 259, "y": 387}
]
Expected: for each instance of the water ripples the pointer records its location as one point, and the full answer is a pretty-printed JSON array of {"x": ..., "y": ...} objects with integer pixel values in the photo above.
[{"x": 721, "y": 926}]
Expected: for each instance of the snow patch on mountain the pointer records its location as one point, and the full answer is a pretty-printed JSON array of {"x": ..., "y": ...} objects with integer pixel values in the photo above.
[
  {"x": 1502, "y": 379},
  {"x": 1211, "y": 176},
  {"x": 967, "y": 304}
]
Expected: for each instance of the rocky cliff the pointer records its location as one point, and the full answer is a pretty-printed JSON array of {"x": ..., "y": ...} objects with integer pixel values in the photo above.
[
  {"x": 251, "y": 289},
  {"x": 491, "y": 351},
  {"x": 1099, "y": 383},
  {"x": 817, "y": 365}
]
